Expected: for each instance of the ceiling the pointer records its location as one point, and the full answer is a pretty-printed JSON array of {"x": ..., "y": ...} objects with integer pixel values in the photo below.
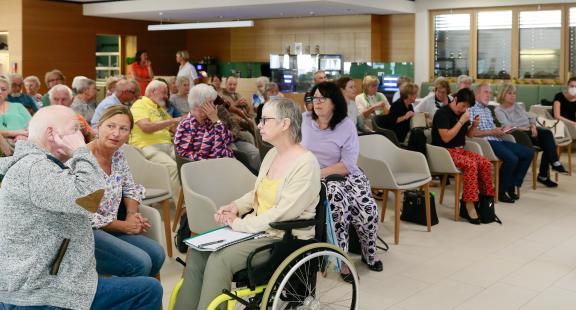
[{"x": 220, "y": 10}]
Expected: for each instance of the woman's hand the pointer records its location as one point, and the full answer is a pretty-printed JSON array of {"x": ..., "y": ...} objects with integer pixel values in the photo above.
[
  {"x": 534, "y": 131},
  {"x": 144, "y": 222},
  {"x": 223, "y": 214},
  {"x": 132, "y": 224},
  {"x": 210, "y": 109}
]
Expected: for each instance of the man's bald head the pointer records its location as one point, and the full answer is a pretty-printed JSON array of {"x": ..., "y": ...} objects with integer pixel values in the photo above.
[{"x": 48, "y": 119}]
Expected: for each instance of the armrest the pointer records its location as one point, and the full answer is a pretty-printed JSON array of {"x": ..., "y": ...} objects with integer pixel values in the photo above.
[
  {"x": 439, "y": 160},
  {"x": 294, "y": 224}
]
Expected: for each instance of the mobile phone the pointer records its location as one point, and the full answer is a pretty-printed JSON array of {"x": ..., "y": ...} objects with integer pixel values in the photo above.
[{"x": 510, "y": 129}]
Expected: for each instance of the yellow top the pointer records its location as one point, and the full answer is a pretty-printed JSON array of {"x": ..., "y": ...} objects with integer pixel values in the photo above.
[
  {"x": 266, "y": 194},
  {"x": 146, "y": 108}
]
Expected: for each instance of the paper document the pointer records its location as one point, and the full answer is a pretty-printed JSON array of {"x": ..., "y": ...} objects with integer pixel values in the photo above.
[{"x": 219, "y": 238}]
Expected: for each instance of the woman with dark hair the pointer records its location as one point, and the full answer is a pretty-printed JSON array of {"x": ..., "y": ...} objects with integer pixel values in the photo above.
[
  {"x": 564, "y": 107},
  {"x": 141, "y": 70},
  {"x": 216, "y": 81},
  {"x": 331, "y": 136},
  {"x": 398, "y": 119},
  {"x": 348, "y": 88}
]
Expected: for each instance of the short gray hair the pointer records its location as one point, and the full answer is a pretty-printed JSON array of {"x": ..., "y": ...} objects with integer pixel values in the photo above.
[
  {"x": 201, "y": 93},
  {"x": 59, "y": 87},
  {"x": 15, "y": 76},
  {"x": 153, "y": 85},
  {"x": 262, "y": 80},
  {"x": 180, "y": 81},
  {"x": 83, "y": 85},
  {"x": 287, "y": 108},
  {"x": 76, "y": 82},
  {"x": 463, "y": 79},
  {"x": 5, "y": 80},
  {"x": 33, "y": 79}
]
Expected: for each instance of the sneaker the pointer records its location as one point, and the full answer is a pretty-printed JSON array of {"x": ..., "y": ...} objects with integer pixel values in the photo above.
[
  {"x": 547, "y": 182},
  {"x": 560, "y": 169}
]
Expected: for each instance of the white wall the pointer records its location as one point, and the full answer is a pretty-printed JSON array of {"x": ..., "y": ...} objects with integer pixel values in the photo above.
[{"x": 422, "y": 39}]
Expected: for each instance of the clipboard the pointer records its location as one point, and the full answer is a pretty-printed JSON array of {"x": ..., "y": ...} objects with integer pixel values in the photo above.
[{"x": 219, "y": 238}]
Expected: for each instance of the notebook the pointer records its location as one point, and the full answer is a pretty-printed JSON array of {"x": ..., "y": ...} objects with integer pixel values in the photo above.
[{"x": 219, "y": 238}]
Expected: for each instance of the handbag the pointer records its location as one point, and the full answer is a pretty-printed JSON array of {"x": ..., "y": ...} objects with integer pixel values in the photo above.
[
  {"x": 414, "y": 208},
  {"x": 484, "y": 208},
  {"x": 556, "y": 126}
]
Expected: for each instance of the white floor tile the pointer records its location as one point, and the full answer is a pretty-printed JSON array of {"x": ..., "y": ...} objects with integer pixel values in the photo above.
[
  {"x": 552, "y": 299},
  {"x": 498, "y": 297},
  {"x": 443, "y": 295}
]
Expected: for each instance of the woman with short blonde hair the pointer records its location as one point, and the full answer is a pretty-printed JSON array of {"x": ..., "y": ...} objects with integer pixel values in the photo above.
[{"x": 370, "y": 102}]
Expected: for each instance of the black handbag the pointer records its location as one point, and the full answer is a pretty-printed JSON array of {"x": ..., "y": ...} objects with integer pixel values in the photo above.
[
  {"x": 414, "y": 208},
  {"x": 484, "y": 208}
]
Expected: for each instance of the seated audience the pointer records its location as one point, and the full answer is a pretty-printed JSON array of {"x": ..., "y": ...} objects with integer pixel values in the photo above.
[
  {"x": 84, "y": 102},
  {"x": 450, "y": 127},
  {"x": 39, "y": 215},
  {"x": 52, "y": 78},
  {"x": 186, "y": 69},
  {"x": 401, "y": 112},
  {"x": 331, "y": 136},
  {"x": 216, "y": 81},
  {"x": 120, "y": 247},
  {"x": 348, "y": 88},
  {"x": 287, "y": 188},
  {"x": 14, "y": 117},
  {"x": 564, "y": 105},
  {"x": 271, "y": 91},
  {"x": 32, "y": 86},
  {"x": 125, "y": 92},
  {"x": 516, "y": 158},
  {"x": 318, "y": 77},
  {"x": 509, "y": 114},
  {"x": 111, "y": 84},
  {"x": 463, "y": 81},
  {"x": 75, "y": 83},
  {"x": 152, "y": 131},
  {"x": 401, "y": 80},
  {"x": 431, "y": 103},
  {"x": 180, "y": 99},
  {"x": 233, "y": 98},
  {"x": 201, "y": 134},
  {"x": 258, "y": 96},
  {"x": 370, "y": 102},
  {"x": 169, "y": 107},
  {"x": 17, "y": 95},
  {"x": 62, "y": 95}
]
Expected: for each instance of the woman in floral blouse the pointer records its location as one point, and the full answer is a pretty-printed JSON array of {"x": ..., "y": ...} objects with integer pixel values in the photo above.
[
  {"x": 120, "y": 248},
  {"x": 201, "y": 134}
]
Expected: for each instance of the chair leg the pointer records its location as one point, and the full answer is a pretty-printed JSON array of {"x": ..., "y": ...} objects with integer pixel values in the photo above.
[
  {"x": 534, "y": 176},
  {"x": 166, "y": 220},
  {"x": 427, "y": 204},
  {"x": 384, "y": 204},
  {"x": 496, "y": 165},
  {"x": 443, "y": 187},
  {"x": 397, "y": 203},
  {"x": 457, "y": 197},
  {"x": 179, "y": 210},
  {"x": 569, "y": 147}
]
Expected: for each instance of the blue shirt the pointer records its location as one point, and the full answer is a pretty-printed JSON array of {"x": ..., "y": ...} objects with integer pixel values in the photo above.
[
  {"x": 26, "y": 100},
  {"x": 104, "y": 104},
  {"x": 486, "y": 120}
]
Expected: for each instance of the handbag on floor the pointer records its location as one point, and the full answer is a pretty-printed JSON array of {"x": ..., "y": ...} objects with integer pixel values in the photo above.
[
  {"x": 484, "y": 208},
  {"x": 414, "y": 208}
]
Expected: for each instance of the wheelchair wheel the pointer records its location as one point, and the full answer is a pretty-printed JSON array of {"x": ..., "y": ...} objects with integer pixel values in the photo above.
[{"x": 310, "y": 279}]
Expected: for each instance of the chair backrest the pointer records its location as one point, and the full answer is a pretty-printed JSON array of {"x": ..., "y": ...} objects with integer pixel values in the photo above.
[
  {"x": 209, "y": 184},
  {"x": 146, "y": 172}
]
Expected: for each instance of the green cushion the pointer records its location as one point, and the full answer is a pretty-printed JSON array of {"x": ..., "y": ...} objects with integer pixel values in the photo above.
[
  {"x": 425, "y": 89},
  {"x": 548, "y": 92},
  {"x": 528, "y": 94}
]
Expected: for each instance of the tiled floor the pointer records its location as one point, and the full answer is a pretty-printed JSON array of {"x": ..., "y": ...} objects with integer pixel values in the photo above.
[{"x": 529, "y": 262}]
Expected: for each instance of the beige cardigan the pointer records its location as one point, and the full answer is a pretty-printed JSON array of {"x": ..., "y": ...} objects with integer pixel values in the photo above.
[{"x": 296, "y": 197}]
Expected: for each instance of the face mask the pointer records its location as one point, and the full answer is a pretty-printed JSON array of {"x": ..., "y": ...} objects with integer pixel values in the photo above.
[{"x": 572, "y": 91}]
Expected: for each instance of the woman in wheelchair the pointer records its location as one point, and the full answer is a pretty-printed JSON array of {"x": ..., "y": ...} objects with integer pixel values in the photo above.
[
  {"x": 331, "y": 136},
  {"x": 287, "y": 188}
]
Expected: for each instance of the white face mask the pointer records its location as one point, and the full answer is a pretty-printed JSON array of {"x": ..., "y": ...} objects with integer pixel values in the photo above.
[{"x": 572, "y": 91}]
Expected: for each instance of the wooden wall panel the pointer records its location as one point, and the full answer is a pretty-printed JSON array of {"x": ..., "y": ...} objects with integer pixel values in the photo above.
[
  {"x": 397, "y": 34},
  {"x": 209, "y": 42},
  {"x": 57, "y": 35}
]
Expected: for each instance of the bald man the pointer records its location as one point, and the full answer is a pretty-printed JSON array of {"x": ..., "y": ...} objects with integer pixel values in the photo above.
[{"x": 47, "y": 257}]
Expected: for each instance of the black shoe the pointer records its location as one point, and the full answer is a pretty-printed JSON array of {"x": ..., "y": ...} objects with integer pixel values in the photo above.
[
  {"x": 377, "y": 266},
  {"x": 464, "y": 214},
  {"x": 560, "y": 169},
  {"x": 546, "y": 181},
  {"x": 503, "y": 197},
  {"x": 512, "y": 194},
  {"x": 347, "y": 277}
]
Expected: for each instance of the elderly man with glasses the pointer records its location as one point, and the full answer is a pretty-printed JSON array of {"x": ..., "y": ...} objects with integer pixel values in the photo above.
[{"x": 125, "y": 93}]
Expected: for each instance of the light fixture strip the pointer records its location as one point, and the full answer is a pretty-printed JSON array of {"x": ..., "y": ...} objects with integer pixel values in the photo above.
[{"x": 209, "y": 25}]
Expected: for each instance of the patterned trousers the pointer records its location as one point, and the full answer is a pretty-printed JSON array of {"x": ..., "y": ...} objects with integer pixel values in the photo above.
[
  {"x": 352, "y": 203},
  {"x": 477, "y": 171}
]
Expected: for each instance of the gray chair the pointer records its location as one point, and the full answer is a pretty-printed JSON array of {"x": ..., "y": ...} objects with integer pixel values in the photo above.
[
  {"x": 209, "y": 184},
  {"x": 391, "y": 168}
]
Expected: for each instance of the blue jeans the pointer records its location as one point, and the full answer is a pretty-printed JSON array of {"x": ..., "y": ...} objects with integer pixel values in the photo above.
[
  {"x": 142, "y": 293},
  {"x": 516, "y": 160},
  {"x": 127, "y": 255}
]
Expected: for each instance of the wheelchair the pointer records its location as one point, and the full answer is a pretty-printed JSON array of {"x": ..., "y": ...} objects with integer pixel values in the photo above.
[{"x": 300, "y": 274}]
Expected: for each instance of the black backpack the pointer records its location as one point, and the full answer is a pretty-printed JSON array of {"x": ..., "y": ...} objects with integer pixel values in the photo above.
[{"x": 182, "y": 233}]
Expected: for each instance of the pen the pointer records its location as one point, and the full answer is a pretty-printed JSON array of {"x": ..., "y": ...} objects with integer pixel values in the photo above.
[{"x": 210, "y": 243}]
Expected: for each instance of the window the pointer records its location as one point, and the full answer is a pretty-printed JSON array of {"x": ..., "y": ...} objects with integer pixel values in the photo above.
[
  {"x": 540, "y": 35},
  {"x": 107, "y": 57},
  {"x": 494, "y": 45},
  {"x": 451, "y": 44},
  {"x": 572, "y": 42}
]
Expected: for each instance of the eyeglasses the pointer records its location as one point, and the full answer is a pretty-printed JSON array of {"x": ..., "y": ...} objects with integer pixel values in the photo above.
[
  {"x": 55, "y": 80},
  {"x": 319, "y": 99},
  {"x": 263, "y": 120}
]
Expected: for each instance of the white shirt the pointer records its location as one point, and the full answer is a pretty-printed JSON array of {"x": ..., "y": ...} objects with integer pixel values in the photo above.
[{"x": 188, "y": 71}]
